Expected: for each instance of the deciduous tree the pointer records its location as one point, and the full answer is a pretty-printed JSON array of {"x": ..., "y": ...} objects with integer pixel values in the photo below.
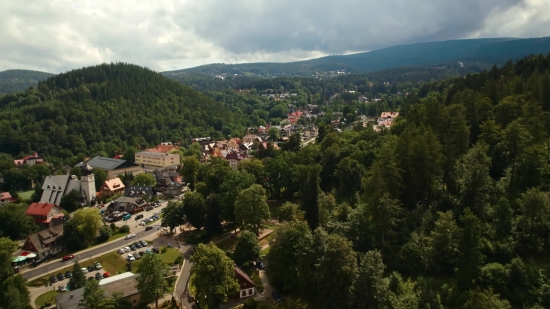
[
  {"x": 247, "y": 249},
  {"x": 251, "y": 209},
  {"x": 152, "y": 278},
  {"x": 144, "y": 179},
  {"x": 194, "y": 207}
]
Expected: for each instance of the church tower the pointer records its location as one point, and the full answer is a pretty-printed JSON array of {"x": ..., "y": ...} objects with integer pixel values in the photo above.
[{"x": 87, "y": 184}]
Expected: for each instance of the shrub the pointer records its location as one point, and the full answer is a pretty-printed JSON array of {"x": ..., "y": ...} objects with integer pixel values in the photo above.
[{"x": 124, "y": 229}]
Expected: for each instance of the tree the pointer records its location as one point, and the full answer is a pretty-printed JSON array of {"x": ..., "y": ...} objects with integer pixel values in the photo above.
[
  {"x": 105, "y": 232},
  {"x": 254, "y": 167},
  {"x": 350, "y": 174},
  {"x": 87, "y": 221},
  {"x": 443, "y": 243},
  {"x": 189, "y": 169},
  {"x": 213, "y": 223},
  {"x": 370, "y": 287},
  {"x": 94, "y": 297},
  {"x": 194, "y": 207},
  {"x": 251, "y": 209},
  {"x": 535, "y": 209},
  {"x": 70, "y": 201},
  {"x": 247, "y": 248},
  {"x": 8, "y": 245},
  {"x": 78, "y": 280},
  {"x": 130, "y": 154},
  {"x": 229, "y": 190},
  {"x": 288, "y": 212},
  {"x": 144, "y": 179},
  {"x": 100, "y": 175},
  {"x": 289, "y": 245},
  {"x": 15, "y": 293},
  {"x": 485, "y": 299},
  {"x": 152, "y": 278},
  {"x": 293, "y": 143},
  {"x": 309, "y": 192},
  {"x": 470, "y": 246},
  {"x": 273, "y": 134},
  {"x": 15, "y": 222},
  {"x": 212, "y": 275},
  {"x": 172, "y": 215}
]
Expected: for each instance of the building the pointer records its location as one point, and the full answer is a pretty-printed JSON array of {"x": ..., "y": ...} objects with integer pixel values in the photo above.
[
  {"x": 125, "y": 284},
  {"x": 202, "y": 140},
  {"x": 139, "y": 191},
  {"x": 247, "y": 286},
  {"x": 112, "y": 187},
  {"x": 115, "y": 167},
  {"x": 385, "y": 121},
  {"x": 55, "y": 187},
  {"x": 5, "y": 198},
  {"x": 29, "y": 160},
  {"x": 235, "y": 157},
  {"x": 43, "y": 213},
  {"x": 150, "y": 159},
  {"x": 163, "y": 148},
  {"x": 174, "y": 189},
  {"x": 47, "y": 241},
  {"x": 130, "y": 205}
]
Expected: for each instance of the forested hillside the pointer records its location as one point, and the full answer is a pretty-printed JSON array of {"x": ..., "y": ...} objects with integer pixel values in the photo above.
[
  {"x": 487, "y": 51},
  {"x": 19, "y": 80},
  {"x": 449, "y": 209},
  {"x": 106, "y": 108}
]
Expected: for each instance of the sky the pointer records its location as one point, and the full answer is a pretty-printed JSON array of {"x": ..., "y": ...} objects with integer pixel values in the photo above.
[{"x": 60, "y": 35}]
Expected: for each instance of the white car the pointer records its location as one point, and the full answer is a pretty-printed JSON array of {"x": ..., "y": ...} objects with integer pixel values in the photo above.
[
  {"x": 127, "y": 249},
  {"x": 85, "y": 270},
  {"x": 131, "y": 258},
  {"x": 143, "y": 223},
  {"x": 130, "y": 236},
  {"x": 121, "y": 250},
  {"x": 130, "y": 255}
]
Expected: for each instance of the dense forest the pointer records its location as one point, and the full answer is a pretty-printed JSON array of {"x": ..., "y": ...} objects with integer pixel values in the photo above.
[
  {"x": 449, "y": 209},
  {"x": 487, "y": 51},
  {"x": 19, "y": 80}
]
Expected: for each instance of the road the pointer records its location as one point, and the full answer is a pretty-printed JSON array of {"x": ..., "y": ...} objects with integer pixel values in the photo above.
[
  {"x": 181, "y": 286},
  {"x": 102, "y": 249}
]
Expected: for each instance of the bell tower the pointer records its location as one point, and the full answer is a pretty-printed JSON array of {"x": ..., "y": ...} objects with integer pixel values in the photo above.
[{"x": 87, "y": 184}]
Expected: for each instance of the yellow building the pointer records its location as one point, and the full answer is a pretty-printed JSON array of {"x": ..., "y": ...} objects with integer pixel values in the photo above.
[{"x": 149, "y": 159}]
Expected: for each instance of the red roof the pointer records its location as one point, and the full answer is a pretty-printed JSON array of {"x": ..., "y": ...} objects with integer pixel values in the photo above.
[
  {"x": 118, "y": 156},
  {"x": 5, "y": 196},
  {"x": 39, "y": 209}
]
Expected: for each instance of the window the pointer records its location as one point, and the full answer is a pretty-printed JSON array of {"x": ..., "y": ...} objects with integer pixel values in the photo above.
[{"x": 243, "y": 293}]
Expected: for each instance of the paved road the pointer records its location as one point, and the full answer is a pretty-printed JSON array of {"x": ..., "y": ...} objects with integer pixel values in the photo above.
[
  {"x": 184, "y": 278},
  {"x": 86, "y": 254}
]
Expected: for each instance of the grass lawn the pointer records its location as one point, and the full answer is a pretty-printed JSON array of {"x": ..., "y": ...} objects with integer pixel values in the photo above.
[
  {"x": 264, "y": 252},
  {"x": 201, "y": 237},
  {"x": 26, "y": 195},
  {"x": 111, "y": 262},
  {"x": 227, "y": 244},
  {"x": 116, "y": 236},
  {"x": 46, "y": 297},
  {"x": 169, "y": 257}
]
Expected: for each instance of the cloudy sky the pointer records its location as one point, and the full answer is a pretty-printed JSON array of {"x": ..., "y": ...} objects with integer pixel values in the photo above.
[{"x": 59, "y": 35}]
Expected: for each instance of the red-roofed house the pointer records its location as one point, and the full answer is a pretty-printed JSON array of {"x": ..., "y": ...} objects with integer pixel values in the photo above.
[
  {"x": 29, "y": 160},
  {"x": 43, "y": 213},
  {"x": 247, "y": 286},
  {"x": 162, "y": 149},
  {"x": 5, "y": 198},
  {"x": 235, "y": 157},
  {"x": 119, "y": 156}
]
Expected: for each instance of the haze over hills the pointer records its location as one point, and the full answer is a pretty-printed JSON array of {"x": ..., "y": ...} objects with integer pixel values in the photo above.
[
  {"x": 486, "y": 51},
  {"x": 19, "y": 80}
]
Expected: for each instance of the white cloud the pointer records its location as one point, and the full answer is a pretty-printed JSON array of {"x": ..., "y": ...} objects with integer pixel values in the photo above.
[{"x": 59, "y": 35}]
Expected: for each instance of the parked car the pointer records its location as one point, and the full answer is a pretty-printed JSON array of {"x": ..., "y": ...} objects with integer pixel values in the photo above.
[
  {"x": 126, "y": 217},
  {"x": 137, "y": 256},
  {"x": 143, "y": 223},
  {"x": 155, "y": 250},
  {"x": 139, "y": 217},
  {"x": 53, "y": 279},
  {"x": 260, "y": 265},
  {"x": 138, "y": 245},
  {"x": 148, "y": 228},
  {"x": 133, "y": 248},
  {"x": 85, "y": 270},
  {"x": 130, "y": 236},
  {"x": 91, "y": 268},
  {"x": 68, "y": 274},
  {"x": 60, "y": 276},
  {"x": 127, "y": 249},
  {"x": 98, "y": 276},
  {"x": 144, "y": 243},
  {"x": 97, "y": 266},
  {"x": 131, "y": 258},
  {"x": 141, "y": 253},
  {"x": 277, "y": 296},
  {"x": 149, "y": 208},
  {"x": 106, "y": 275},
  {"x": 62, "y": 288},
  {"x": 121, "y": 251},
  {"x": 37, "y": 262},
  {"x": 50, "y": 256},
  {"x": 68, "y": 257}
]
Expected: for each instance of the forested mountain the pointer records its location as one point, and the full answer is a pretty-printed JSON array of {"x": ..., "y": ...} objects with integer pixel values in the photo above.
[
  {"x": 19, "y": 80},
  {"x": 487, "y": 51},
  {"x": 106, "y": 108}
]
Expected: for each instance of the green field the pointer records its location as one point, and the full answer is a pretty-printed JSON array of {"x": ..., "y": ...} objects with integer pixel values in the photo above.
[
  {"x": 26, "y": 195},
  {"x": 46, "y": 297}
]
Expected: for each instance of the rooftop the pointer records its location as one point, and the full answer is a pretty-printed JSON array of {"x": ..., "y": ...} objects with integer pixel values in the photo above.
[
  {"x": 154, "y": 154},
  {"x": 109, "y": 163},
  {"x": 39, "y": 209}
]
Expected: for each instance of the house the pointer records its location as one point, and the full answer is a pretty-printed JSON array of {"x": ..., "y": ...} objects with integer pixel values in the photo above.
[
  {"x": 5, "y": 198},
  {"x": 247, "y": 286},
  {"x": 29, "y": 160},
  {"x": 235, "y": 157},
  {"x": 47, "y": 241},
  {"x": 139, "y": 191},
  {"x": 249, "y": 138},
  {"x": 128, "y": 204},
  {"x": 150, "y": 159},
  {"x": 385, "y": 121},
  {"x": 114, "y": 167},
  {"x": 112, "y": 187},
  {"x": 43, "y": 213},
  {"x": 174, "y": 189},
  {"x": 55, "y": 187},
  {"x": 125, "y": 284},
  {"x": 202, "y": 140}
]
